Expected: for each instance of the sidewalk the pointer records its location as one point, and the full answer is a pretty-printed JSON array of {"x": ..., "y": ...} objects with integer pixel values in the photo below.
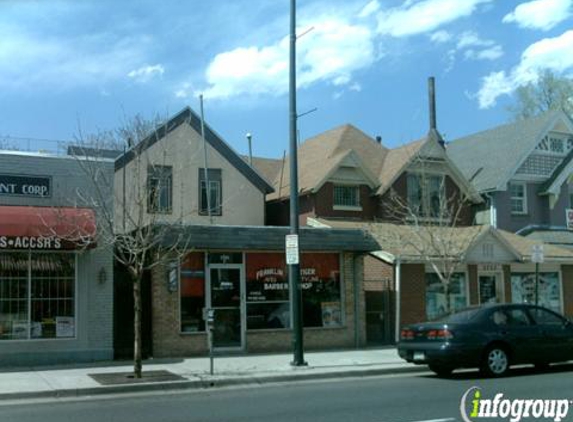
[{"x": 75, "y": 380}]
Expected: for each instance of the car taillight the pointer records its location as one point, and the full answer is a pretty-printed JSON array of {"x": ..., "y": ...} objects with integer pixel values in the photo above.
[
  {"x": 443, "y": 334},
  {"x": 406, "y": 335}
]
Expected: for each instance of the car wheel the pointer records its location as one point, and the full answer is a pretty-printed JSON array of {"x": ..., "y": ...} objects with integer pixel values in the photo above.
[
  {"x": 441, "y": 371},
  {"x": 495, "y": 361}
]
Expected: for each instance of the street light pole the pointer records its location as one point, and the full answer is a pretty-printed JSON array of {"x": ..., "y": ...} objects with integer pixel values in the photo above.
[{"x": 294, "y": 269}]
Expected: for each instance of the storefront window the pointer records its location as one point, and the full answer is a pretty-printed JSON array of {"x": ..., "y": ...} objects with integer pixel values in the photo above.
[
  {"x": 192, "y": 293},
  {"x": 320, "y": 281},
  {"x": 523, "y": 289},
  {"x": 37, "y": 296},
  {"x": 268, "y": 305},
  {"x": 437, "y": 303}
]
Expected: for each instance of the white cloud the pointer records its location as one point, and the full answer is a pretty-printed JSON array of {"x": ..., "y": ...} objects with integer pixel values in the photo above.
[
  {"x": 540, "y": 14},
  {"x": 146, "y": 73},
  {"x": 549, "y": 53},
  {"x": 62, "y": 62},
  {"x": 331, "y": 53},
  {"x": 369, "y": 9},
  {"x": 424, "y": 16},
  {"x": 492, "y": 53},
  {"x": 441, "y": 37},
  {"x": 471, "y": 39}
]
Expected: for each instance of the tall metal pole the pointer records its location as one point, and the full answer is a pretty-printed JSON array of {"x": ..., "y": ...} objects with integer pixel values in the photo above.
[{"x": 294, "y": 269}]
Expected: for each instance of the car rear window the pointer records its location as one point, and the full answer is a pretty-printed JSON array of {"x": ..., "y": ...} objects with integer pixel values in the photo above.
[{"x": 463, "y": 316}]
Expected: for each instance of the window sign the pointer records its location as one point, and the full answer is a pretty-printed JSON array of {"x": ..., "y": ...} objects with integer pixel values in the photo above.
[
  {"x": 438, "y": 302},
  {"x": 523, "y": 289},
  {"x": 30, "y": 186}
]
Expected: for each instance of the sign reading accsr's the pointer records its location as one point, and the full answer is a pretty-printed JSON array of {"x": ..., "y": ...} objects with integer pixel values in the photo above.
[{"x": 35, "y": 186}]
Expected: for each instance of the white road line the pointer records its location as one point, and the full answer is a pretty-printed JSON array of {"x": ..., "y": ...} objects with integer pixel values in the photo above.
[{"x": 437, "y": 420}]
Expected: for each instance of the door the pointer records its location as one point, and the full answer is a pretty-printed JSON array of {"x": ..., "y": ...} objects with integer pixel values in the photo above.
[
  {"x": 556, "y": 335},
  {"x": 490, "y": 288},
  {"x": 226, "y": 287}
]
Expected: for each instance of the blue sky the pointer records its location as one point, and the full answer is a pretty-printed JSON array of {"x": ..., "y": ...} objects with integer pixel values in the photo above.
[{"x": 71, "y": 65}]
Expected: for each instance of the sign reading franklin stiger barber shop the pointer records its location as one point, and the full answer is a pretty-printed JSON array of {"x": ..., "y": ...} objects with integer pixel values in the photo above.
[{"x": 31, "y": 186}]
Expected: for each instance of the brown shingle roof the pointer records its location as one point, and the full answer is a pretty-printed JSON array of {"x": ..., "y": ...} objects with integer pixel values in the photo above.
[
  {"x": 320, "y": 154},
  {"x": 396, "y": 239}
]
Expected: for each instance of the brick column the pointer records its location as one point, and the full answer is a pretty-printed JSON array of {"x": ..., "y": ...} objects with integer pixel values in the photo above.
[
  {"x": 412, "y": 293},
  {"x": 507, "y": 283},
  {"x": 473, "y": 283}
]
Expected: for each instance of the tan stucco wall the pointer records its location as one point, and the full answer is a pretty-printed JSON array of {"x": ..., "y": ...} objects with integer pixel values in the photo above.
[{"x": 243, "y": 203}]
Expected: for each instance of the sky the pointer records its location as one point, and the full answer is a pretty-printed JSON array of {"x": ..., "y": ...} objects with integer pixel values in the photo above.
[{"x": 70, "y": 67}]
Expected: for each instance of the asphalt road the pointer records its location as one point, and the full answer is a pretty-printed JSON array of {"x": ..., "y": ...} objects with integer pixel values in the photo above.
[{"x": 404, "y": 398}]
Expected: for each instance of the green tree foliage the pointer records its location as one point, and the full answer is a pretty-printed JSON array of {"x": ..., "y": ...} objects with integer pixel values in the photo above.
[{"x": 549, "y": 92}]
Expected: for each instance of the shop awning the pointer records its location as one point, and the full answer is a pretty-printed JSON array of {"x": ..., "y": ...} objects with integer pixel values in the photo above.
[{"x": 46, "y": 227}]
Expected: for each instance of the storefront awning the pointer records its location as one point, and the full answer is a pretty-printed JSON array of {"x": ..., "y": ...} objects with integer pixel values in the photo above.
[{"x": 46, "y": 227}]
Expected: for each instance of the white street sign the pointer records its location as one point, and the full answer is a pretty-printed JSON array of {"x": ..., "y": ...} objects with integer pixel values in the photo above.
[
  {"x": 569, "y": 218},
  {"x": 292, "y": 249},
  {"x": 537, "y": 254}
]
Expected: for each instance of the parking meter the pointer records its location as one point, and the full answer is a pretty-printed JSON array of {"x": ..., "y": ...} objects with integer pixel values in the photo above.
[{"x": 209, "y": 317}]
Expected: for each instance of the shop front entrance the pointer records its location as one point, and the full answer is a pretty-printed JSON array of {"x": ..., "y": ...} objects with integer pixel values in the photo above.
[
  {"x": 491, "y": 288},
  {"x": 226, "y": 288}
]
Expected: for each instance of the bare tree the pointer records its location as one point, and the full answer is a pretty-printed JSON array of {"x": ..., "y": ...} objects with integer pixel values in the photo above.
[
  {"x": 549, "y": 92},
  {"x": 431, "y": 221},
  {"x": 131, "y": 206}
]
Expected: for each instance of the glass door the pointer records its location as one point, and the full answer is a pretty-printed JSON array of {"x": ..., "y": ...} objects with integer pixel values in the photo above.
[
  {"x": 490, "y": 288},
  {"x": 226, "y": 293}
]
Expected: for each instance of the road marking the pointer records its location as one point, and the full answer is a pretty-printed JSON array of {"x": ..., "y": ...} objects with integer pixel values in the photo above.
[{"x": 437, "y": 420}]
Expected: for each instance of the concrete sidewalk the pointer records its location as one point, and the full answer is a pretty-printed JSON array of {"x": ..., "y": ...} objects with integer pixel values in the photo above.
[{"x": 75, "y": 380}]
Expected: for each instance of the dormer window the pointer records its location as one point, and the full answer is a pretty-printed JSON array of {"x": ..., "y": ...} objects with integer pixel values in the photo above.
[{"x": 346, "y": 197}]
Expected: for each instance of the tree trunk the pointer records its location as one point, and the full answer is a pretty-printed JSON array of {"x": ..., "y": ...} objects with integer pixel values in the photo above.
[{"x": 137, "y": 365}]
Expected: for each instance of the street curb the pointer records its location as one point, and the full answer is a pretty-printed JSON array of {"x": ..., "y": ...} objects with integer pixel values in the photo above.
[{"x": 204, "y": 384}]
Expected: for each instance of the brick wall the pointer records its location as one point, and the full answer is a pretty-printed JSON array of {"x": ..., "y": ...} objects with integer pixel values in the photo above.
[
  {"x": 507, "y": 283},
  {"x": 567, "y": 279},
  {"x": 412, "y": 293},
  {"x": 378, "y": 275},
  {"x": 168, "y": 342},
  {"x": 473, "y": 284}
]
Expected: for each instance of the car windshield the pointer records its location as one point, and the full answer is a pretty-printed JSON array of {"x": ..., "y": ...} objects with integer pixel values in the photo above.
[{"x": 459, "y": 317}]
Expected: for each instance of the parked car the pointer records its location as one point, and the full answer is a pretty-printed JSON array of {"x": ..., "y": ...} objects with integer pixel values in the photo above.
[{"x": 491, "y": 337}]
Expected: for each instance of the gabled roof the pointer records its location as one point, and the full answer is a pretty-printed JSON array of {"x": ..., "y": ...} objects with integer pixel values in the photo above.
[
  {"x": 490, "y": 158},
  {"x": 320, "y": 157},
  {"x": 389, "y": 237},
  {"x": 188, "y": 116}
]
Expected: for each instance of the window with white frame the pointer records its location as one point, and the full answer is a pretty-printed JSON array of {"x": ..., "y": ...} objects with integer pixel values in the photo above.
[
  {"x": 214, "y": 195},
  {"x": 518, "y": 197},
  {"x": 346, "y": 196},
  {"x": 426, "y": 194},
  {"x": 159, "y": 189}
]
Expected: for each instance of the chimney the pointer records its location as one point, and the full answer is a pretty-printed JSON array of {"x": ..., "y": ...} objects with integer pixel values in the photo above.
[
  {"x": 432, "y": 99},
  {"x": 379, "y": 140},
  {"x": 432, "y": 104}
]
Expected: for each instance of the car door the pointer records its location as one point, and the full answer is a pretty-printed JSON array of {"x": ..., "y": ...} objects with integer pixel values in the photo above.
[
  {"x": 514, "y": 327},
  {"x": 556, "y": 342}
]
